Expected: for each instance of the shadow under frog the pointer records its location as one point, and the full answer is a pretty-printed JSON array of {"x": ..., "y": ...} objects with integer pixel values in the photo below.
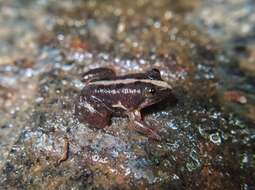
[{"x": 106, "y": 94}]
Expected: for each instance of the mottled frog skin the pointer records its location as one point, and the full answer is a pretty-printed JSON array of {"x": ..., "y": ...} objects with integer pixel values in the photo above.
[{"x": 106, "y": 94}]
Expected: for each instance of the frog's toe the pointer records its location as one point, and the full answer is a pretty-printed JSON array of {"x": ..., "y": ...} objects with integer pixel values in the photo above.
[
  {"x": 144, "y": 129},
  {"x": 152, "y": 123},
  {"x": 154, "y": 136}
]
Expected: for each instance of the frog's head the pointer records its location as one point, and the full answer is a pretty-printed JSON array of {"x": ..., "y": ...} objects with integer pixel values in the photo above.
[{"x": 154, "y": 91}]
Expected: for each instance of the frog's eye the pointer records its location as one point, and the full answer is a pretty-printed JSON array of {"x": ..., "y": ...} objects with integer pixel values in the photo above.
[
  {"x": 149, "y": 92},
  {"x": 152, "y": 90}
]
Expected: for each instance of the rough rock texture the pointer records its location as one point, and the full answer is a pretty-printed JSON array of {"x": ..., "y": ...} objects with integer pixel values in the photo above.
[{"x": 207, "y": 136}]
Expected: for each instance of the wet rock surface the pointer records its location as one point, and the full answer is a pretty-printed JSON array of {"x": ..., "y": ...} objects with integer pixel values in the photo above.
[{"x": 207, "y": 134}]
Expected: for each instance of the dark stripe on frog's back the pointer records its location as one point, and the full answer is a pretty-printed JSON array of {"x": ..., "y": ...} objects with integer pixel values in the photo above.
[
  {"x": 129, "y": 95},
  {"x": 128, "y": 76},
  {"x": 137, "y": 76},
  {"x": 153, "y": 74}
]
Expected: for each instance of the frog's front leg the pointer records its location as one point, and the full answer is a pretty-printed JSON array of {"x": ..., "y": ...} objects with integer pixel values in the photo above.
[
  {"x": 98, "y": 74},
  {"x": 90, "y": 111},
  {"x": 137, "y": 124}
]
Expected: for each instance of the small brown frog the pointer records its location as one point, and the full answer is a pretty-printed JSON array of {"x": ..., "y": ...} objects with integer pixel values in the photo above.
[{"x": 106, "y": 94}]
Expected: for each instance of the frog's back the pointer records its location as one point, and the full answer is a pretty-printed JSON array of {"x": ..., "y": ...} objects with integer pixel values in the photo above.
[{"x": 115, "y": 92}]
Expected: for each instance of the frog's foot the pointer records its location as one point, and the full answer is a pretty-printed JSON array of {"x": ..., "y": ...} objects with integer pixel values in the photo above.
[
  {"x": 137, "y": 124},
  {"x": 64, "y": 156},
  {"x": 152, "y": 123},
  {"x": 141, "y": 127}
]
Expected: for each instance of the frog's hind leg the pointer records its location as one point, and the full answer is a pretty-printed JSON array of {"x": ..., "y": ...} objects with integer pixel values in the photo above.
[
  {"x": 98, "y": 74},
  {"x": 89, "y": 111}
]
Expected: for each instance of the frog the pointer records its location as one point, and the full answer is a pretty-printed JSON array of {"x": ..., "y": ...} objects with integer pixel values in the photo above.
[{"x": 105, "y": 94}]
